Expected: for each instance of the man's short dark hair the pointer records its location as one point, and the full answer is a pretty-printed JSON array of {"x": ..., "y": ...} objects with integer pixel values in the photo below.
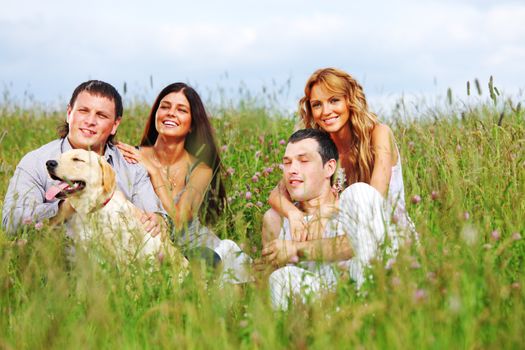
[
  {"x": 326, "y": 147},
  {"x": 97, "y": 88}
]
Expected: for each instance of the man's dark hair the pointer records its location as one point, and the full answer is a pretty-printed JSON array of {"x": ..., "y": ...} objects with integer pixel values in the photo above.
[
  {"x": 97, "y": 88},
  {"x": 326, "y": 147}
]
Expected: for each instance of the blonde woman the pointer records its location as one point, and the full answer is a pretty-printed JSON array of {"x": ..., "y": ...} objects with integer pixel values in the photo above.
[{"x": 335, "y": 102}]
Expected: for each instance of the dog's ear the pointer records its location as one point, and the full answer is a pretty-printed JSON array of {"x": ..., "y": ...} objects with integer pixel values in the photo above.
[{"x": 108, "y": 176}]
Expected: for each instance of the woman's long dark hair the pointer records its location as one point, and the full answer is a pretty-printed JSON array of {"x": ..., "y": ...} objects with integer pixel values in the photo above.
[{"x": 200, "y": 142}]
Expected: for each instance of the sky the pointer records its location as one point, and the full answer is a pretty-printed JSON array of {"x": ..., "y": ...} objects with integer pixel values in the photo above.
[{"x": 393, "y": 48}]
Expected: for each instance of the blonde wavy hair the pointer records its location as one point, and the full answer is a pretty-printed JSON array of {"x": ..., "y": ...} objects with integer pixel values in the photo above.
[{"x": 361, "y": 121}]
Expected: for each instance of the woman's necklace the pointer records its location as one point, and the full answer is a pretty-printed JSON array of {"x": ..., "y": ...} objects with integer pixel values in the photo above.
[{"x": 168, "y": 174}]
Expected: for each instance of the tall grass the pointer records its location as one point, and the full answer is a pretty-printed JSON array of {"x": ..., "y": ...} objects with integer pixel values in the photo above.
[{"x": 463, "y": 287}]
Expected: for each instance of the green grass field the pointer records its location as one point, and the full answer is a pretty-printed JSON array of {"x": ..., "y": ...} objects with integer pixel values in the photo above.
[{"x": 462, "y": 288}]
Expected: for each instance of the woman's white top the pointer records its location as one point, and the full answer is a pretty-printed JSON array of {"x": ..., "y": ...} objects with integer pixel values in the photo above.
[{"x": 395, "y": 201}]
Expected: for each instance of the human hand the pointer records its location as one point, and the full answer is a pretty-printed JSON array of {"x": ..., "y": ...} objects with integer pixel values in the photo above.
[
  {"x": 131, "y": 154},
  {"x": 314, "y": 231},
  {"x": 261, "y": 266},
  {"x": 154, "y": 224},
  {"x": 298, "y": 226},
  {"x": 280, "y": 252}
]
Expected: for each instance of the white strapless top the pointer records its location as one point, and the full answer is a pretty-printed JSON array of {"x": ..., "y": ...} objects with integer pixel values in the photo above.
[{"x": 396, "y": 199}]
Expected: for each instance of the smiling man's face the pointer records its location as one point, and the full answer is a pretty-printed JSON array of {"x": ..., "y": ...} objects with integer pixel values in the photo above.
[
  {"x": 305, "y": 175},
  {"x": 92, "y": 121}
]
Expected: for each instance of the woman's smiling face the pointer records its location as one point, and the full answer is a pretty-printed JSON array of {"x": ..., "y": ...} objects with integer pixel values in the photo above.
[
  {"x": 329, "y": 109},
  {"x": 173, "y": 117}
]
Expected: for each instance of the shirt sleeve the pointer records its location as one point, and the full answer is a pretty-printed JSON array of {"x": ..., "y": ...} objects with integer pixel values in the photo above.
[
  {"x": 144, "y": 195},
  {"x": 24, "y": 201}
]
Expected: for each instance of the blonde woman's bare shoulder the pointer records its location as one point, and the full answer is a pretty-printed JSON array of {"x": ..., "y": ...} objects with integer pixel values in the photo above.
[
  {"x": 383, "y": 138},
  {"x": 382, "y": 131}
]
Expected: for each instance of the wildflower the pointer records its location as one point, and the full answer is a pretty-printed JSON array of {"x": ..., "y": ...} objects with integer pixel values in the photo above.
[
  {"x": 516, "y": 236},
  {"x": 249, "y": 205},
  {"x": 495, "y": 235},
  {"x": 21, "y": 243},
  {"x": 39, "y": 225},
  {"x": 459, "y": 148},
  {"x": 466, "y": 215},
  {"x": 395, "y": 218},
  {"x": 224, "y": 148},
  {"x": 419, "y": 295},
  {"x": 255, "y": 178},
  {"x": 434, "y": 195},
  {"x": 415, "y": 264},
  {"x": 282, "y": 142},
  {"x": 294, "y": 259},
  {"x": 248, "y": 195},
  {"x": 340, "y": 180},
  {"x": 160, "y": 256},
  {"x": 431, "y": 276},
  {"x": 411, "y": 145},
  {"x": 259, "y": 204},
  {"x": 395, "y": 281},
  {"x": 230, "y": 171},
  {"x": 27, "y": 220},
  {"x": 267, "y": 170},
  {"x": 258, "y": 154},
  {"x": 281, "y": 166},
  {"x": 415, "y": 199},
  {"x": 229, "y": 199}
]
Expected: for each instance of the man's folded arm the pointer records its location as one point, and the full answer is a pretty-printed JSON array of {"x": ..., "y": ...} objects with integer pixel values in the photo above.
[{"x": 326, "y": 249}]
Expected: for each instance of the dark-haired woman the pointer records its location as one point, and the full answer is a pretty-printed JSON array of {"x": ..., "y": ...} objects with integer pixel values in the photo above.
[{"x": 179, "y": 151}]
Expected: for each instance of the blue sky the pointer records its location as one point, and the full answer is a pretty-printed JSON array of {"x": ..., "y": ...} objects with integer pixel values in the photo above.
[{"x": 394, "y": 47}]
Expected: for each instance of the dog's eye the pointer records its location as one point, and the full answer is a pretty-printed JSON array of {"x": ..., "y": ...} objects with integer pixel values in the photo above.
[{"x": 78, "y": 160}]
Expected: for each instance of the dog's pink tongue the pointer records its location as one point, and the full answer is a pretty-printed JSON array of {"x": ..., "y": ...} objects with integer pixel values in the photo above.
[{"x": 55, "y": 189}]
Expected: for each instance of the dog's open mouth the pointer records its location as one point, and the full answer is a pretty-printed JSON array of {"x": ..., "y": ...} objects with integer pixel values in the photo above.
[{"x": 64, "y": 188}]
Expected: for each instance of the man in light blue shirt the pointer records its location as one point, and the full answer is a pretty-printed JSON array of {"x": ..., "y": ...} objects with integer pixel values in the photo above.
[{"x": 93, "y": 116}]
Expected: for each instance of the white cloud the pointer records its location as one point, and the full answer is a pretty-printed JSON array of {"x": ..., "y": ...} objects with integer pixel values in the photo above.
[{"x": 402, "y": 46}]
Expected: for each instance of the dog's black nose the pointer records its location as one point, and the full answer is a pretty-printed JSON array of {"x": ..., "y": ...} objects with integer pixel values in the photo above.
[{"x": 51, "y": 164}]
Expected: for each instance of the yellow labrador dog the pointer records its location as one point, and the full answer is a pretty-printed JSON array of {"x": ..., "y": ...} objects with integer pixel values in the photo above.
[{"x": 103, "y": 214}]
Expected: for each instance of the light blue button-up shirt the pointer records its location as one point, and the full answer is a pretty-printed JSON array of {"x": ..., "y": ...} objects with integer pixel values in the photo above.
[{"x": 25, "y": 200}]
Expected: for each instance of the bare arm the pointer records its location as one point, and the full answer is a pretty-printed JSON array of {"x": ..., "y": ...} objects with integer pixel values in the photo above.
[
  {"x": 385, "y": 157},
  {"x": 192, "y": 197},
  {"x": 326, "y": 249},
  {"x": 281, "y": 202},
  {"x": 280, "y": 252}
]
